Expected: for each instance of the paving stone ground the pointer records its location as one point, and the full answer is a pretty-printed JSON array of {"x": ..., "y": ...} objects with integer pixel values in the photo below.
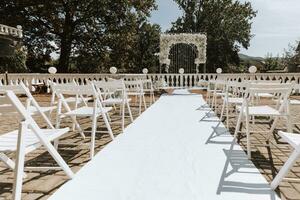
[{"x": 41, "y": 184}]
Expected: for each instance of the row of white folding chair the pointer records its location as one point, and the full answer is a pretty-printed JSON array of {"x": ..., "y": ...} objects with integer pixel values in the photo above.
[
  {"x": 94, "y": 112},
  {"x": 234, "y": 94},
  {"x": 290, "y": 138},
  {"x": 27, "y": 138},
  {"x": 249, "y": 109},
  {"x": 136, "y": 88}
]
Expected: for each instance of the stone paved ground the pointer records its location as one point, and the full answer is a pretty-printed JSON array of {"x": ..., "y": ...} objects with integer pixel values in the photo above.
[{"x": 40, "y": 185}]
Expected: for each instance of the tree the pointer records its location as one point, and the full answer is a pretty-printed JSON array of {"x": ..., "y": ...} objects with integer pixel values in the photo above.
[
  {"x": 146, "y": 47},
  {"x": 227, "y": 24},
  {"x": 272, "y": 63},
  {"x": 75, "y": 28},
  {"x": 14, "y": 63},
  {"x": 291, "y": 57}
]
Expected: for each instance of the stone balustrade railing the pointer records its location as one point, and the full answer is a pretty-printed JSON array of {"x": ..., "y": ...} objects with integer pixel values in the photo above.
[
  {"x": 172, "y": 80},
  {"x": 11, "y": 31}
]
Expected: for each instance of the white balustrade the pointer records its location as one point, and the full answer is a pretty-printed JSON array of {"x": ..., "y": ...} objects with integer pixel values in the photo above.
[
  {"x": 173, "y": 80},
  {"x": 7, "y": 30}
]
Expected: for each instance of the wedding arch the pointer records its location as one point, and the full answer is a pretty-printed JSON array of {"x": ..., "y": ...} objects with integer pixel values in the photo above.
[{"x": 167, "y": 41}]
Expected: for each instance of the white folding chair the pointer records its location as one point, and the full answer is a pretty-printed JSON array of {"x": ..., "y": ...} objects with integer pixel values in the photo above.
[
  {"x": 136, "y": 88},
  {"x": 27, "y": 138},
  {"x": 219, "y": 90},
  {"x": 250, "y": 110},
  {"x": 76, "y": 99},
  {"x": 234, "y": 96},
  {"x": 95, "y": 111},
  {"x": 148, "y": 88},
  {"x": 115, "y": 94},
  {"x": 294, "y": 141}
]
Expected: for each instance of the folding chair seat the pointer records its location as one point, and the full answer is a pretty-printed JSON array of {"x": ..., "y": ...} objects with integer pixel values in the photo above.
[
  {"x": 94, "y": 112},
  {"x": 294, "y": 141},
  {"x": 88, "y": 111},
  {"x": 260, "y": 110},
  {"x": 250, "y": 110},
  {"x": 8, "y": 141},
  {"x": 27, "y": 138}
]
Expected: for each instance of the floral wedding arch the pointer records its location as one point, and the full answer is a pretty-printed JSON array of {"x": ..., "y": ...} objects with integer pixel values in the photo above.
[{"x": 168, "y": 40}]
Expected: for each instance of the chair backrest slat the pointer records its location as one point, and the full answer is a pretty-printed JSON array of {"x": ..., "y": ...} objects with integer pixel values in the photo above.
[
  {"x": 272, "y": 88},
  {"x": 73, "y": 89}
]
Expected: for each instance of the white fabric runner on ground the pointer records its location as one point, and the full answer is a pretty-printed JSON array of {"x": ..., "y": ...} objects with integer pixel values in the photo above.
[{"x": 171, "y": 152}]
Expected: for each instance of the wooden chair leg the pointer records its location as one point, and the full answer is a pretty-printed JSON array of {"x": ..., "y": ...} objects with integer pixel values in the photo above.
[
  {"x": 110, "y": 132},
  {"x": 248, "y": 137},
  {"x": 286, "y": 168},
  {"x": 222, "y": 110},
  {"x": 140, "y": 104},
  {"x": 7, "y": 161},
  {"x": 238, "y": 125},
  {"x": 20, "y": 159},
  {"x": 123, "y": 117},
  {"x": 227, "y": 115},
  {"x": 144, "y": 100},
  {"x": 93, "y": 136},
  {"x": 129, "y": 111}
]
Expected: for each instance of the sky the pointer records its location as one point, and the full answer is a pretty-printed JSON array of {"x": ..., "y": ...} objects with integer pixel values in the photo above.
[{"x": 276, "y": 25}]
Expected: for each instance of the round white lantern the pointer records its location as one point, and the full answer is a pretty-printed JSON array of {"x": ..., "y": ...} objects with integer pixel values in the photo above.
[
  {"x": 219, "y": 71},
  {"x": 113, "y": 70},
  {"x": 252, "y": 69},
  {"x": 181, "y": 71},
  {"x": 145, "y": 71},
  {"x": 52, "y": 70}
]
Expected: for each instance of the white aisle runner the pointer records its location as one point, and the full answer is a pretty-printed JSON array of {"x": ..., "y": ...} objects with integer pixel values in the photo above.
[{"x": 170, "y": 153}]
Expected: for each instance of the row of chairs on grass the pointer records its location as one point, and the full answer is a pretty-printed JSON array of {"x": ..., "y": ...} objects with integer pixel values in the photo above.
[
  {"x": 250, "y": 100},
  {"x": 96, "y": 99}
]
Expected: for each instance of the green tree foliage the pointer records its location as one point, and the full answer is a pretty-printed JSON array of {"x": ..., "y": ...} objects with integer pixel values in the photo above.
[
  {"x": 14, "y": 63},
  {"x": 88, "y": 36},
  {"x": 227, "y": 24},
  {"x": 272, "y": 63},
  {"x": 291, "y": 57}
]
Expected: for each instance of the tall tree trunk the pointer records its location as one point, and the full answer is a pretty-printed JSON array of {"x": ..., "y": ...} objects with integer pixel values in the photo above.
[
  {"x": 65, "y": 52},
  {"x": 66, "y": 43}
]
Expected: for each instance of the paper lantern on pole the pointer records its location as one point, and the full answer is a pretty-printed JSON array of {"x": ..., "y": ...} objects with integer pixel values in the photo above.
[
  {"x": 52, "y": 70},
  {"x": 219, "y": 71},
  {"x": 181, "y": 71},
  {"x": 145, "y": 71},
  {"x": 252, "y": 69},
  {"x": 113, "y": 70}
]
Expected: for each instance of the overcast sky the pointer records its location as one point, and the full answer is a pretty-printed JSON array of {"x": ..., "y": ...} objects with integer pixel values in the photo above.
[{"x": 277, "y": 24}]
